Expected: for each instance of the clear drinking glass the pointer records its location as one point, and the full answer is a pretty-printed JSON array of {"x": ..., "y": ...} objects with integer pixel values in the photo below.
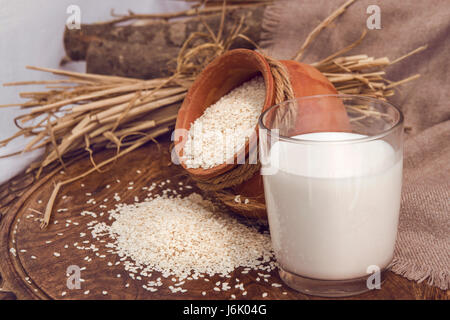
[{"x": 332, "y": 172}]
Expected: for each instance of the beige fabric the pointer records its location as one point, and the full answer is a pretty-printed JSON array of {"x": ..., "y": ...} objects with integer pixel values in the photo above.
[{"x": 423, "y": 243}]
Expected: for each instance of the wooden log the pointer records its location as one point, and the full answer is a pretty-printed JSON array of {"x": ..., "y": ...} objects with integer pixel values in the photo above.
[{"x": 148, "y": 49}]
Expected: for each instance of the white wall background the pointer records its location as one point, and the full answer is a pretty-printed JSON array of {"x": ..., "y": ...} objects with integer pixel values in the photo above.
[{"x": 31, "y": 33}]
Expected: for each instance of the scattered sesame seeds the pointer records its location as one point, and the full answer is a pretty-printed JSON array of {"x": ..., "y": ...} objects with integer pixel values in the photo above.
[
  {"x": 56, "y": 254},
  {"x": 176, "y": 220},
  {"x": 87, "y": 292},
  {"x": 264, "y": 294},
  {"x": 276, "y": 285},
  {"x": 104, "y": 293}
]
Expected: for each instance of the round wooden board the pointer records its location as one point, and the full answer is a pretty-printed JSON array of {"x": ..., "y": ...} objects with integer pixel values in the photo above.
[{"x": 34, "y": 272}]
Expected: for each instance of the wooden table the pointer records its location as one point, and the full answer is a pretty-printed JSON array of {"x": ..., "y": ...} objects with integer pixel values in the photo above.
[{"x": 36, "y": 273}]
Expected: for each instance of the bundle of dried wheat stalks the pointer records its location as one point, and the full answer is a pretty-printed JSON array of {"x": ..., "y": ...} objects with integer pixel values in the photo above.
[{"x": 89, "y": 111}]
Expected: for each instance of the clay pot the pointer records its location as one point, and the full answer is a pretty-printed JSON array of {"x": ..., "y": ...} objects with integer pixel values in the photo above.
[{"x": 228, "y": 72}]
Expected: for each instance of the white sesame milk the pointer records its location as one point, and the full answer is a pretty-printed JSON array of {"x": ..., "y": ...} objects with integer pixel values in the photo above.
[{"x": 333, "y": 208}]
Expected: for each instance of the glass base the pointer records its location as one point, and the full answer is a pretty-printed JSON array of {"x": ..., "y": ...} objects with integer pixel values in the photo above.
[{"x": 327, "y": 288}]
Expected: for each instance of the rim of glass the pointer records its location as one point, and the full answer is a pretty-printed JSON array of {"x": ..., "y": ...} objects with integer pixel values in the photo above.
[{"x": 380, "y": 135}]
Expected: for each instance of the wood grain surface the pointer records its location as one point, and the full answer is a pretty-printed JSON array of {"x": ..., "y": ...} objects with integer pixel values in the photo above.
[{"x": 36, "y": 273}]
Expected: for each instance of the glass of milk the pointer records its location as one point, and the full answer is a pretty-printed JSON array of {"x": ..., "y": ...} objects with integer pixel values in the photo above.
[{"x": 332, "y": 184}]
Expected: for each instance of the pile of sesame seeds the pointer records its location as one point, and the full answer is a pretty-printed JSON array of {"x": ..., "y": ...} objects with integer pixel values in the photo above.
[
  {"x": 225, "y": 126},
  {"x": 184, "y": 239}
]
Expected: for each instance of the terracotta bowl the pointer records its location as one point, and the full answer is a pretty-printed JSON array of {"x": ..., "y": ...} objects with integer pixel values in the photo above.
[
  {"x": 228, "y": 72},
  {"x": 216, "y": 80}
]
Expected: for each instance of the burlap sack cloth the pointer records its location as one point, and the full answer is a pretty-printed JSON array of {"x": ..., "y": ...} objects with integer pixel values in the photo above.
[{"x": 423, "y": 245}]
